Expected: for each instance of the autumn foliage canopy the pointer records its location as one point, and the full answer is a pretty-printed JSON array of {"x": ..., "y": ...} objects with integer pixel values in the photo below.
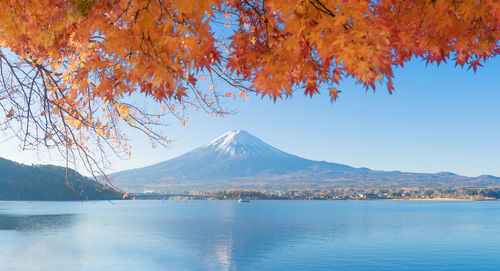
[{"x": 71, "y": 70}]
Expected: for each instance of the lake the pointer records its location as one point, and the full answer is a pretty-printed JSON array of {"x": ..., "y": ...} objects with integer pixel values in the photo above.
[{"x": 260, "y": 235}]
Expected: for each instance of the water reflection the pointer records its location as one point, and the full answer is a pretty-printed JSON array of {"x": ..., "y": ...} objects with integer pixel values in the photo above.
[
  {"x": 154, "y": 235},
  {"x": 232, "y": 245},
  {"x": 35, "y": 223},
  {"x": 228, "y": 236}
]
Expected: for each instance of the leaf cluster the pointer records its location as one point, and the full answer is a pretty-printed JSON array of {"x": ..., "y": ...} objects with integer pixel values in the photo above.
[{"x": 72, "y": 70}]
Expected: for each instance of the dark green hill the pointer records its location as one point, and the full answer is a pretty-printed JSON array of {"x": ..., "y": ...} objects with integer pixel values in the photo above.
[{"x": 46, "y": 182}]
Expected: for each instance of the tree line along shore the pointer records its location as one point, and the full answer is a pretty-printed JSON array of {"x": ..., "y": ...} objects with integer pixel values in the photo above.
[{"x": 445, "y": 193}]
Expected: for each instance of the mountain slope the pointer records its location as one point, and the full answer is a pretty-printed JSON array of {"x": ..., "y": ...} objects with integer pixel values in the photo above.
[
  {"x": 234, "y": 155},
  {"x": 238, "y": 159},
  {"x": 46, "y": 182}
]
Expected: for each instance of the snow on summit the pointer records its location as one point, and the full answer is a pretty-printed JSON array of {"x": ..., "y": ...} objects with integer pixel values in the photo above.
[{"x": 241, "y": 143}]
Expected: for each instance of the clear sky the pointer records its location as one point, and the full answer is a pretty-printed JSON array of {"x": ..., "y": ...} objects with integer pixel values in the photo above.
[{"x": 439, "y": 119}]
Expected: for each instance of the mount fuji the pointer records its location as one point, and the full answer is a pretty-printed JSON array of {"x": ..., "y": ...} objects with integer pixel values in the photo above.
[{"x": 238, "y": 159}]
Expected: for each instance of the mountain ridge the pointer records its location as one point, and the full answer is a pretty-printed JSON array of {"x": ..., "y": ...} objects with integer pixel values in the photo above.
[{"x": 238, "y": 159}]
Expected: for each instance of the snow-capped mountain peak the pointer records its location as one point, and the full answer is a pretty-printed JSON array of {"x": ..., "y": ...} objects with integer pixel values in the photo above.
[
  {"x": 240, "y": 143},
  {"x": 238, "y": 159}
]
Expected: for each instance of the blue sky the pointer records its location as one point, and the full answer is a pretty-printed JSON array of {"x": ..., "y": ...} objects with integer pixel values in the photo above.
[{"x": 439, "y": 119}]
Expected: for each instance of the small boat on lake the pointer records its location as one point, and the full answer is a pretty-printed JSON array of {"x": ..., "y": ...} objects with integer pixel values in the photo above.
[{"x": 243, "y": 200}]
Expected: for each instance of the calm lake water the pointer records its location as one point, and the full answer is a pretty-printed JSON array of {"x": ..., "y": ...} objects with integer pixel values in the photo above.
[{"x": 260, "y": 235}]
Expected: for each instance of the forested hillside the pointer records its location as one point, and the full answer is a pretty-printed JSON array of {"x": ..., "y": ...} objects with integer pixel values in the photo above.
[{"x": 46, "y": 182}]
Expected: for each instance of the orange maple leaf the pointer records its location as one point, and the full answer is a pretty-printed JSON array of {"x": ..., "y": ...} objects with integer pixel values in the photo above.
[
  {"x": 334, "y": 94},
  {"x": 10, "y": 114}
]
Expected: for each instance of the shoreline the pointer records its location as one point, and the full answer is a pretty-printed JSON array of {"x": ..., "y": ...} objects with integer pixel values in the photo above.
[
  {"x": 197, "y": 199},
  {"x": 436, "y": 199}
]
